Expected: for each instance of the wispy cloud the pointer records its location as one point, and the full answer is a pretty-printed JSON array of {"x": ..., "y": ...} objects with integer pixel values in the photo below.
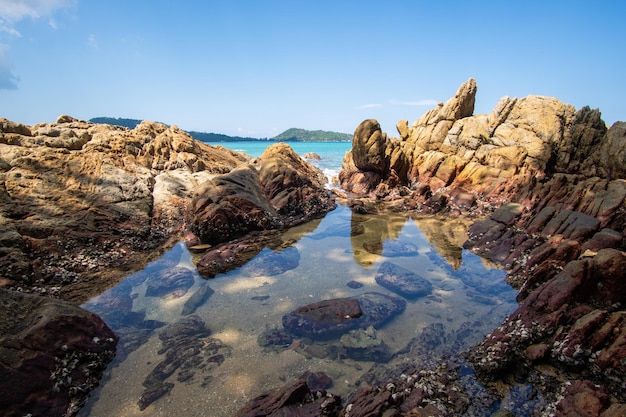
[
  {"x": 370, "y": 106},
  {"x": 426, "y": 102},
  {"x": 92, "y": 42},
  {"x": 8, "y": 80},
  {"x": 11, "y": 12}
]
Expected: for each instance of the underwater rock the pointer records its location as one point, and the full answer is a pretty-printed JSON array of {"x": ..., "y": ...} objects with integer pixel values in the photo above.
[
  {"x": 173, "y": 282},
  {"x": 402, "y": 281},
  {"x": 270, "y": 262},
  {"x": 354, "y": 284},
  {"x": 379, "y": 308},
  {"x": 363, "y": 345},
  {"x": 197, "y": 299},
  {"x": 316, "y": 380},
  {"x": 275, "y": 337},
  {"x": 188, "y": 349},
  {"x": 324, "y": 319}
]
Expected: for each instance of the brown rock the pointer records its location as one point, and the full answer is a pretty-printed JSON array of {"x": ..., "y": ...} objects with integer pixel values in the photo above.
[{"x": 52, "y": 355}]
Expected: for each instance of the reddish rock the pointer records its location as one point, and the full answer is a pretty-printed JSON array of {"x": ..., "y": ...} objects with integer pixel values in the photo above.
[
  {"x": 582, "y": 398},
  {"x": 54, "y": 353}
]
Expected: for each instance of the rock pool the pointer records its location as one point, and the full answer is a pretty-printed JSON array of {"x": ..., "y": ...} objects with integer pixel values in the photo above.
[{"x": 195, "y": 347}]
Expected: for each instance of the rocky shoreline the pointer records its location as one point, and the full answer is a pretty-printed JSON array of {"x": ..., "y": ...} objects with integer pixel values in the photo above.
[{"x": 83, "y": 205}]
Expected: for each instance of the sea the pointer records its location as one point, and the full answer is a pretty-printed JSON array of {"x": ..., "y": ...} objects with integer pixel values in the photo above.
[{"x": 341, "y": 255}]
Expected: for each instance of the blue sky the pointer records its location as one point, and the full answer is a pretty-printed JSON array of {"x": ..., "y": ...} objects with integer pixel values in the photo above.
[{"x": 257, "y": 68}]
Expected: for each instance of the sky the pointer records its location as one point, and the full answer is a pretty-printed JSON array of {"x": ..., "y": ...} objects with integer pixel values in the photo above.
[{"x": 258, "y": 68}]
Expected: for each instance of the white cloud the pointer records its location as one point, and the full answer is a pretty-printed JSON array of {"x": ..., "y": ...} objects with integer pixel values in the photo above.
[
  {"x": 370, "y": 106},
  {"x": 11, "y": 12},
  {"x": 426, "y": 102},
  {"x": 15, "y": 10},
  {"x": 8, "y": 80}
]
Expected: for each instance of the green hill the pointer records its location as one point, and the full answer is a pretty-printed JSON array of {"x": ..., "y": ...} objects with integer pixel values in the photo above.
[
  {"x": 302, "y": 135},
  {"x": 290, "y": 135}
]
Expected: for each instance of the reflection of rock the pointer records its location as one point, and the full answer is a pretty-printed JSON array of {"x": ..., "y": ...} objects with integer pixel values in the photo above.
[
  {"x": 446, "y": 236},
  {"x": 227, "y": 256},
  {"x": 270, "y": 262},
  {"x": 170, "y": 282},
  {"x": 51, "y": 355},
  {"x": 402, "y": 281},
  {"x": 363, "y": 345},
  {"x": 188, "y": 349}
]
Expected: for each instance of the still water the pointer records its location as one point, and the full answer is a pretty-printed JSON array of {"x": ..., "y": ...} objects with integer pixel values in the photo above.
[{"x": 231, "y": 364}]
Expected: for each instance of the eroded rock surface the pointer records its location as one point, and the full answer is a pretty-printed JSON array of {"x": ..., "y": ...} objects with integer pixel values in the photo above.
[
  {"x": 83, "y": 204},
  {"x": 548, "y": 183}
]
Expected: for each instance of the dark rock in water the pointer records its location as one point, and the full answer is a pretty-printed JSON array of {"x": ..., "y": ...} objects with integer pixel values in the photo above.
[
  {"x": 188, "y": 349},
  {"x": 293, "y": 400},
  {"x": 173, "y": 282},
  {"x": 275, "y": 337},
  {"x": 354, "y": 284},
  {"x": 379, "y": 308},
  {"x": 316, "y": 380},
  {"x": 154, "y": 393},
  {"x": 329, "y": 319},
  {"x": 402, "y": 281},
  {"x": 271, "y": 263},
  {"x": 198, "y": 298},
  {"x": 364, "y": 345},
  {"x": 51, "y": 355},
  {"x": 324, "y": 319}
]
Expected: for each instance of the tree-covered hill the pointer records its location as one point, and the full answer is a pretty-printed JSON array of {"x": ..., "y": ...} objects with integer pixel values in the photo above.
[
  {"x": 302, "y": 135},
  {"x": 290, "y": 135}
]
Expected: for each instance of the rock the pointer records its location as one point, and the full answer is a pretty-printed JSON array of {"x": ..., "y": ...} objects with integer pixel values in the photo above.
[
  {"x": 312, "y": 156},
  {"x": 52, "y": 354},
  {"x": 316, "y": 380},
  {"x": 85, "y": 202},
  {"x": 197, "y": 299},
  {"x": 188, "y": 349},
  {"x": 402, "y": 281},
  {"x": 363, "y": 345},
  {"x": 172, "y": 283},
  {"x": 324, "y": 319},
  {"x": 275, "y": 191},
  {"x": 293, "y": 400},
  {"x": 329, "y": 319}
]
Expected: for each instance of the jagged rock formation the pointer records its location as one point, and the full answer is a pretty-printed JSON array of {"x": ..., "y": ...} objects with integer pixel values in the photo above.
[
  {"x": 551, "y": 181},
  {"x": 82, "y": 204}
]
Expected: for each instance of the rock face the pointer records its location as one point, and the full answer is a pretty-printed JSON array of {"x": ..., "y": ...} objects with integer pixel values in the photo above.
[
  {"x": 549, "y": 183},
  {"x": 275, "y": 191},
  {"x": 83, "y": 204},
  {"x": 51, "y": 355}
]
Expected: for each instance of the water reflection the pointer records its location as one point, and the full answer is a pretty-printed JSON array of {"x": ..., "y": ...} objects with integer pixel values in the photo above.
[{"x": 238, "y": 316}]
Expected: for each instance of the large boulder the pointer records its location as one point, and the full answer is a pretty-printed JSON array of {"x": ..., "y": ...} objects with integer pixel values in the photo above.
[
  {"x": 275, "y": 191},
  {"x": 51, "y": 355}
]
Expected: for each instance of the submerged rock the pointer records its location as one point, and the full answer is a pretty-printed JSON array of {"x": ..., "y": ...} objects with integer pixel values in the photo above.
[
  {"x": 402, "y": 281},
  {"x": 363, "y": 345},
  {"x": 172, "y": 283},
  {"x": 270, "y": 262},
  {"x": 188, "y": 349},
  {"x": 329, "y": 319},
  {"x": 197, "y": 299}
]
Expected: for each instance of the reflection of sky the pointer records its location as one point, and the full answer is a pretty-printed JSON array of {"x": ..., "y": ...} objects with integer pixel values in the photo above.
[{"x": 331, "y": 253}]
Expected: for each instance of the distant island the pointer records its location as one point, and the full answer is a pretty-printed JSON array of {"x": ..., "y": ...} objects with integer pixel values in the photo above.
[{"x": 289, "y": 135}]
